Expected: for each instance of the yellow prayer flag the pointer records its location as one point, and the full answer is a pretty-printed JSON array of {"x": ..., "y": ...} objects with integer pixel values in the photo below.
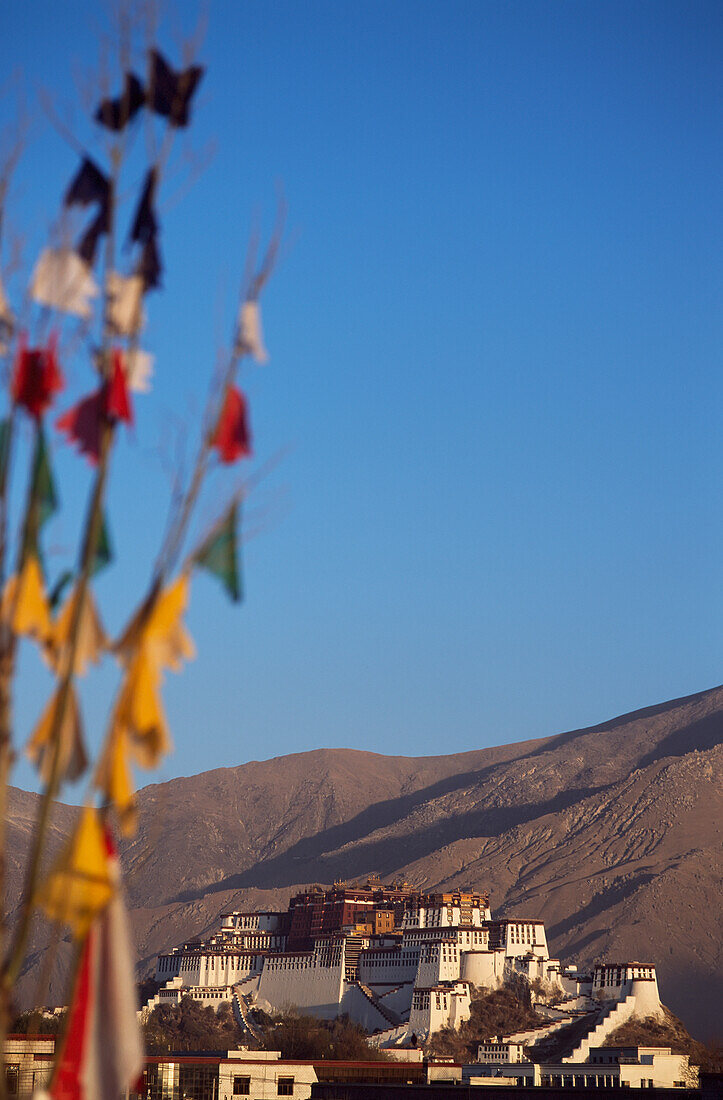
[
  {"x": 158, "y": 627},
  {"x": 25, "y": 603},
  {"x": 91, "y": 641},
  {"x": 140, "y": 711},
  {"x": 72, "y": 759},
  {"x": 81, "y": 883},
  {"x": 114, "y": 780}
]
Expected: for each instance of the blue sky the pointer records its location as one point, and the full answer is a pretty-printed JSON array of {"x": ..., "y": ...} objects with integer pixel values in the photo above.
[{"x": 495, "y": 365}]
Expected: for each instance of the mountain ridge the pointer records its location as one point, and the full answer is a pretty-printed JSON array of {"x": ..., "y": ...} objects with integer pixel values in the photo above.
[{"x": 608, "y": 833}]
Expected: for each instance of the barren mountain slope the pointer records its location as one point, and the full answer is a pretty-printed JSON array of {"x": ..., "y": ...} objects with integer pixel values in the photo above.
[{"x": 612, "y": 835}]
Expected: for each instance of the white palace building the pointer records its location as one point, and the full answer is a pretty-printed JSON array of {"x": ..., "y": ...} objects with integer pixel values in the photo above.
[{"x": 399, "y": 962}]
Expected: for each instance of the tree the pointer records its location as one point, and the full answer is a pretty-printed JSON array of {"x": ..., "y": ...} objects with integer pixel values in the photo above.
[
  {"x": 306, "y": 1037},
  {"x": 88, "y": 303},
  {"x": 492, "y": 1012},
  {"x": 190, "y": 1026}
]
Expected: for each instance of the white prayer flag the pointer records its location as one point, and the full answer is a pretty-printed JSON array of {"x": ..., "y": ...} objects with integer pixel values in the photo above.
[
  {"x": 139, "y": 368},
  {"x": 250, "y": 336},
  {"x": 62, "y": 280},
  {"x": 125, "y": 294}
]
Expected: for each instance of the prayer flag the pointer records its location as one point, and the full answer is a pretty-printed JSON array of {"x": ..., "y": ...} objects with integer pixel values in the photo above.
[
  {"x": 145, "y": 222},
  {"x": 250, "y": 337},
  {"x": 114, "y": 780},
  {"x": 43, "y": 497},
  {"x": 139, "y": 369},
  {"x": 63, "y": 280},
  {"x": 114, "y": 114},
  {"x": 103, "y": 550},
  {"x": 125, "y": 300},
  {"x": 232, "y": 437},
  {"x": 101, "y": 1057},
  {"x": 82, "y": 425},
  {"x": 44, "y": 492},
  {"x": 170, "y": 92},
  {"x": 80, "y": 885},
  {"x": 219, "y": 554},
  {"x": 140, "y": 711},
  {"x": 42, "y": 748},
  {"x": 150, "y": 266},
  {"x": 158, "y": 627},
  {"x": 87, "y": 246},
  {"x": 91, "y": 642},
  {"x": 90, "y": 186},
  {"x": 144, "y": 231},
  {"x": 25, "y": 602},
  {"x": 36, "y": 377},
  {"x": 118, "y": 402}
]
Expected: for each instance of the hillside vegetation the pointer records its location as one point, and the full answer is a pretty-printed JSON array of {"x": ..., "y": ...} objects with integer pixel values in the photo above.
[{"x": 492, "y": 1013}]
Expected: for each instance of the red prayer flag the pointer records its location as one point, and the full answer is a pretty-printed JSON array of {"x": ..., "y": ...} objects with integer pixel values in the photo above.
[
  {"x": 119, "y": 402},
  {"x": 37, "y": 376},
  {"x": 232, "y": 437},
  {"x": 82, "y": 423}
]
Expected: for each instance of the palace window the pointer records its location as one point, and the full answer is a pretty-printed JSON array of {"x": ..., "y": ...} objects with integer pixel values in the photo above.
[
  {"x": 241, "y": 1086},
  {"x": 285, "y": 1086}
]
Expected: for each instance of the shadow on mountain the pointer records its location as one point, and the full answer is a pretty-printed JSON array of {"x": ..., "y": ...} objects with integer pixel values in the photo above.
[
  {"x": 313, "y": 848},
  {"x": 619, "y": 724},
  {"x": 699, "y": 736},
  {"x": 612, "y": 895},
  {"x": 305, "y": 861}
]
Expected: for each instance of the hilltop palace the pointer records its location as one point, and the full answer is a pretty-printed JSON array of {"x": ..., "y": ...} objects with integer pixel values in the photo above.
[{"x": 399, "y": 962}]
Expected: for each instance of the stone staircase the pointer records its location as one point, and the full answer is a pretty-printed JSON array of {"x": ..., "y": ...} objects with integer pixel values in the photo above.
[
  {"x": 391, "y": 1017},
  {"x": 534, "y": 1035},
  {"x": 242, "y": 1016},
  {"x": 611, "y": 1018}
]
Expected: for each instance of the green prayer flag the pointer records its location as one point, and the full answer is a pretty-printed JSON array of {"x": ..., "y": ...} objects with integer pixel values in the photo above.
[
  {"x": 219, "y": 554},
  {"x": 43, "y": 499},
  {"x": 43, "y": 485},
  {"x": 103, "y": 551}
]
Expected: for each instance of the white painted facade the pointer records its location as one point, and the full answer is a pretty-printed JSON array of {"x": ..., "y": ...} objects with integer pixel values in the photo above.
[
  {"x": 415, "y": 978},
  {"x": 443, "y": 1005},
  {"x": 494, "y": 1053},
  {"x": 616, "y": 981},
  {"x": 607, "y": 1067}
]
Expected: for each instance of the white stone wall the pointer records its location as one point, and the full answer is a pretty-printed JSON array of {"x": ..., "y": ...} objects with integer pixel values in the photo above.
[
  {"x": 438, "y": 962},
  {"x": 522, "y": 937},
  {"x": 303, "y": 982},
  {"x": 484, "y": 968},
  {"x": 615, "y": 981},
  {"x": 167, "y": 967},
  {"x": 387, "y": 967},
  {"x": 361, "y": 1009},
  {"x": 441, "y": 1006}
]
